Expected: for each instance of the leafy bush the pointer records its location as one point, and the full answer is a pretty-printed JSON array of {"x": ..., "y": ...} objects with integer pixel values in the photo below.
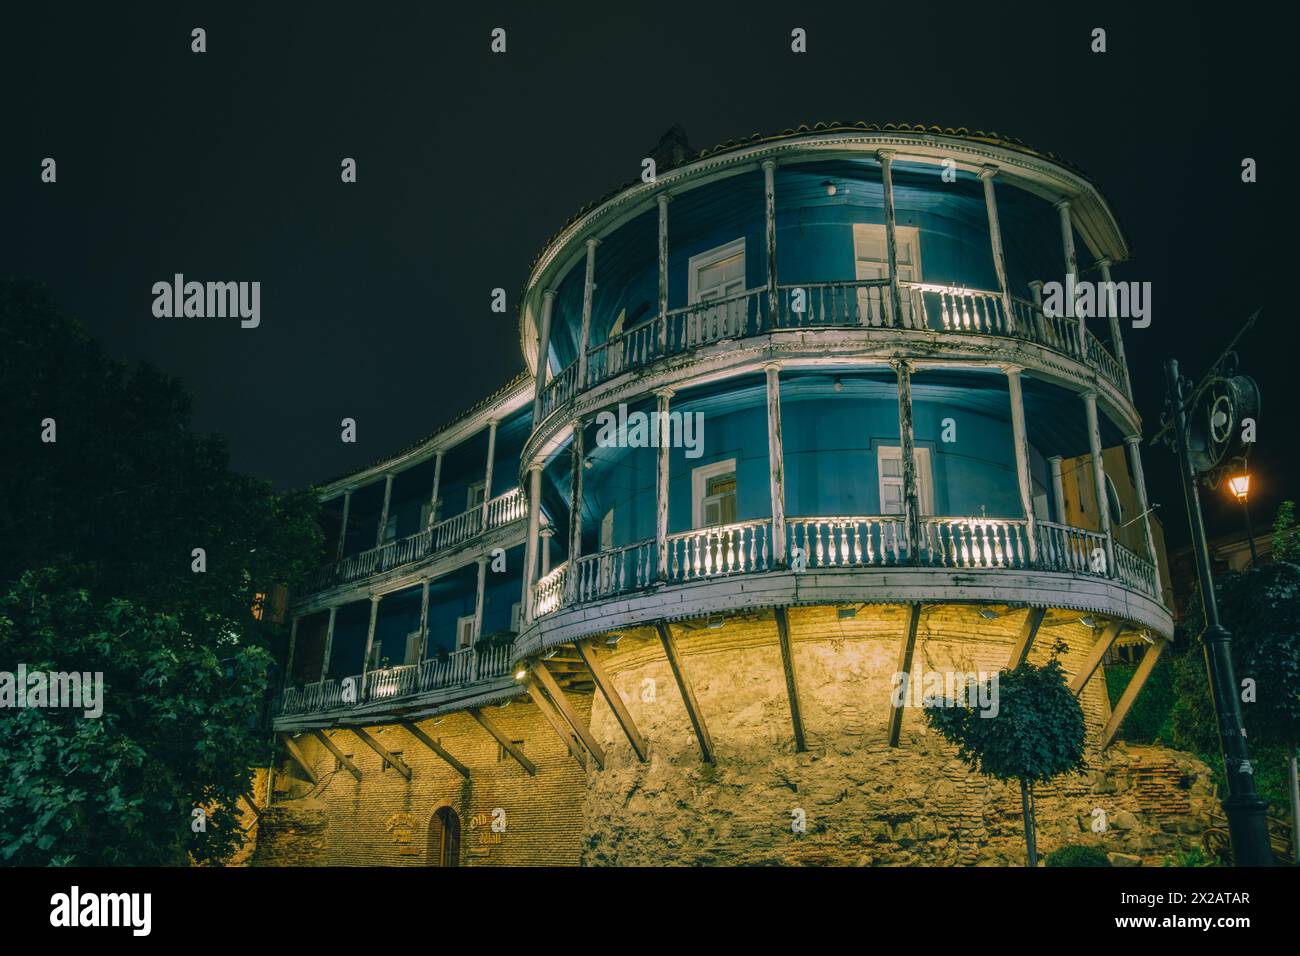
[{"x": 1077, "y": 855}]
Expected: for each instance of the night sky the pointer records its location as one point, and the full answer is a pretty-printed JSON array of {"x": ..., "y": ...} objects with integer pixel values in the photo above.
[{"x": 375, "y": 296}]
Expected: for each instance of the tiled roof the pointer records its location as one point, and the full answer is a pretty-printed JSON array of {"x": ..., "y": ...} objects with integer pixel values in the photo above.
[{"x": 478, "y": 406}]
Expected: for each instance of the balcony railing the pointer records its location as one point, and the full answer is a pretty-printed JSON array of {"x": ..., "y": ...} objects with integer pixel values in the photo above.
[
  {"x": 501, "y": 510},
  {"x": 860, "y": 541},
  {"x": 460, "y": 667},
  {"x": 845, "y": 304}
]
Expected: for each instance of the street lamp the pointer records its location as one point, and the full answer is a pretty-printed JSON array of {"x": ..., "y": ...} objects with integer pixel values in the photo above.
[
  {"x": 1199, "y": 452},
  {"x": 1240, "y": 486}
]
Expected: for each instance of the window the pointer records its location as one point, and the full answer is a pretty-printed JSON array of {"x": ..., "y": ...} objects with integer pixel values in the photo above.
[
  {"x": 503, "y": 754},
  {"x": 412, "y": 647},
  {"x": 714, "y": 494},
  {"x": 871, "y": 258},
  {"x": 889, "y": 462},
  {"x": 390, "y": 530},
  {"x": 712, "y": 276},
  {"x": 464, "y": 632},
  {"x": 607, "y": 530},
  {"x": 474, "y": 499},
  {"x": 516, "y": 610}
]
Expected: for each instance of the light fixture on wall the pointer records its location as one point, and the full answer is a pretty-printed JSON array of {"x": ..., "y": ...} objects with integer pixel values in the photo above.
[
  {"x": 550, "y": 652},
  {"x": 988, "y": 614},
  {"x": 715, "y": 623},
  {"x": 831, "y": 186},
  {"x": 611, "y": 640},
  {"x": 838, "y": 384},
  {"x": 1088, "y": 621},
  {"x": 521, "y": 671},
  {"x": 846, "y": 613}
]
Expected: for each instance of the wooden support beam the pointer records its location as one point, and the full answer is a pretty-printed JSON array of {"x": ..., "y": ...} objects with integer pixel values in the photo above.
[
  {"x": 436, "y": 747},
  {"x": 503, "y": 740},
  {"x": 562, "y": 704},
  {"x": 252, "y": 804},
  {"x": 565, "y": 732},
  {"x": 687, "y": 691},
  {"x": 298, "y": 757},
  {"x": 613, "y": 698},
  {"x": 1028, "y": 631},
  {"x": 905, "y": 654},
  {"x": 791, "y": 684},
  {"x": 1135, "y": 684},
  {"x": 329, "y": 745},
  {"x": 1099, "y": 649},
  {"x": 378, "y": 748}
]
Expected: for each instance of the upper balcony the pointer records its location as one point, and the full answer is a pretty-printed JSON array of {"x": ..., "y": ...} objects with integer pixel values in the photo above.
[
  {"x": 815, "y": 244},
  {"x": 858, "y": 304}
]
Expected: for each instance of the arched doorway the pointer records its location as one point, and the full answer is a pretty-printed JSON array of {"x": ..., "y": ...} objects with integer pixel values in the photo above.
[{"x": 444, "y": 838}]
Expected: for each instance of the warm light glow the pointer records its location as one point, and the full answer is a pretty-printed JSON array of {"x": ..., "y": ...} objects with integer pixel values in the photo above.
[
  {"x": 521, "y": 674},
  {"x": 1240, "y": 486}
]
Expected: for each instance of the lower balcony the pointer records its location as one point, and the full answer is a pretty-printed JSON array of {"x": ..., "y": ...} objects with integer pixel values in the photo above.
[
  {"x": 878, "y": 541},
  {"x": 403, "y": 686}
]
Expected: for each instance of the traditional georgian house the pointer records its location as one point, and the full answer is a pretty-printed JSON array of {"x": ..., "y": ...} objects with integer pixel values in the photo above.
[{"x": 543, "y": 639}]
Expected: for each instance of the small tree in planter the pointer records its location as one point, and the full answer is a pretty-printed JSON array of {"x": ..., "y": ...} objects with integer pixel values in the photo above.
[{"x": 1035, "y": 735}]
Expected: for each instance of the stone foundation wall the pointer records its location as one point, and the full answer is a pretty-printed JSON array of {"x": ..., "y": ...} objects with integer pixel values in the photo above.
[
  {"x": 383, "y": 820},
  {"x": 863, "y": 801}
]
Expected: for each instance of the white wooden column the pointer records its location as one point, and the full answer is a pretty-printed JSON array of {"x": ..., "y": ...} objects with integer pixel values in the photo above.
[
  {"x": 886, "y": 157},
  {"x": 329, "y": 645},
  {"x": 370, "y": 642},
  {"x": 1140, "y": 485},
  {"x": 530, "y": 543},
  {"x": 343, "y": 531},
  {"x": 907, "y": 451},
  {"x": 588, "y": 288},
  {"x": 769, "y": 218},
  {"x": 995, "y": 241},
  {"x": 433, "y": 498},
  {"x": 1058, "y": 490},
  {"x": 776, "y": 462},
  {"x": 424, "y": 620},
  {"x": 1021, "y": 441},
  {"x": 1117, "y": 340},
  {"x": 383, "y": 513},
  {"x": 543, "y": 351},
  {"x": 1099, "y": 477},
  {"x": 1072, "y": 271},
  {"x": 547, "y": 533},
  {"x": 478, "y": 597},
  {"x": 575, "y": 500},
  {"x": 661, "y": 485},
  {"x": 1036, "y": 293},
  {"x": 487, "y": 473},
  {"x": 663, "y": 199}
]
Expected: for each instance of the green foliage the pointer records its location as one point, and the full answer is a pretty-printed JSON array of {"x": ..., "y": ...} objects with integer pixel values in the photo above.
[
  {"x": 175, "y": 734},
  {"x": 1286, "y": 542},
  {"x": 1193, "y": 857},
  {"x": 1038, "y": 732},
  {"x": 1077, "y": 855},
  {"x": 95, "y": 575},
  {"x": 1150, "y": 719}
]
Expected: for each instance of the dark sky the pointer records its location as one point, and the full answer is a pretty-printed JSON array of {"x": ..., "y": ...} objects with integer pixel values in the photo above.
[{"x": 375, "y": 296}]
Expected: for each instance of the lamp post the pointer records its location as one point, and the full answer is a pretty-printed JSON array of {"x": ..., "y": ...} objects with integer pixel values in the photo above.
[
  {"x": 1240, "y": 486},
  {"x": 1247, "y": 824}
]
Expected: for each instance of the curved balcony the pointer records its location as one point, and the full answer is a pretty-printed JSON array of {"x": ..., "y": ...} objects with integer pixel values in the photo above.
[
  {"x": 403, "y": 686},
  {"x": 924, "y": 307},
  {"x": 869, "y": 541},
  {"x": 443, "y": 536}
]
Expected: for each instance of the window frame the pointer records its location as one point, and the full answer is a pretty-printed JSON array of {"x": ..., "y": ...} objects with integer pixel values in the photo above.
[{"x": 700, "y": 477}]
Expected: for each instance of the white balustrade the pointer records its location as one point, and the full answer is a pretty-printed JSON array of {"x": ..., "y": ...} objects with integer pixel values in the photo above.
[
  {"x": 873, "y": 540},
  {"x": 974, "y": 542},
  {"x": 739, "y": 548}
]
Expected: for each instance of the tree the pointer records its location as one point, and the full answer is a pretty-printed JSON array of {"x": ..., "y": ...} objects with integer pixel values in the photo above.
[
  {"x": 98, "y": 575},
  {"x": 1261, "y": 607},
  {"x": 1036, "y": 734}
]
